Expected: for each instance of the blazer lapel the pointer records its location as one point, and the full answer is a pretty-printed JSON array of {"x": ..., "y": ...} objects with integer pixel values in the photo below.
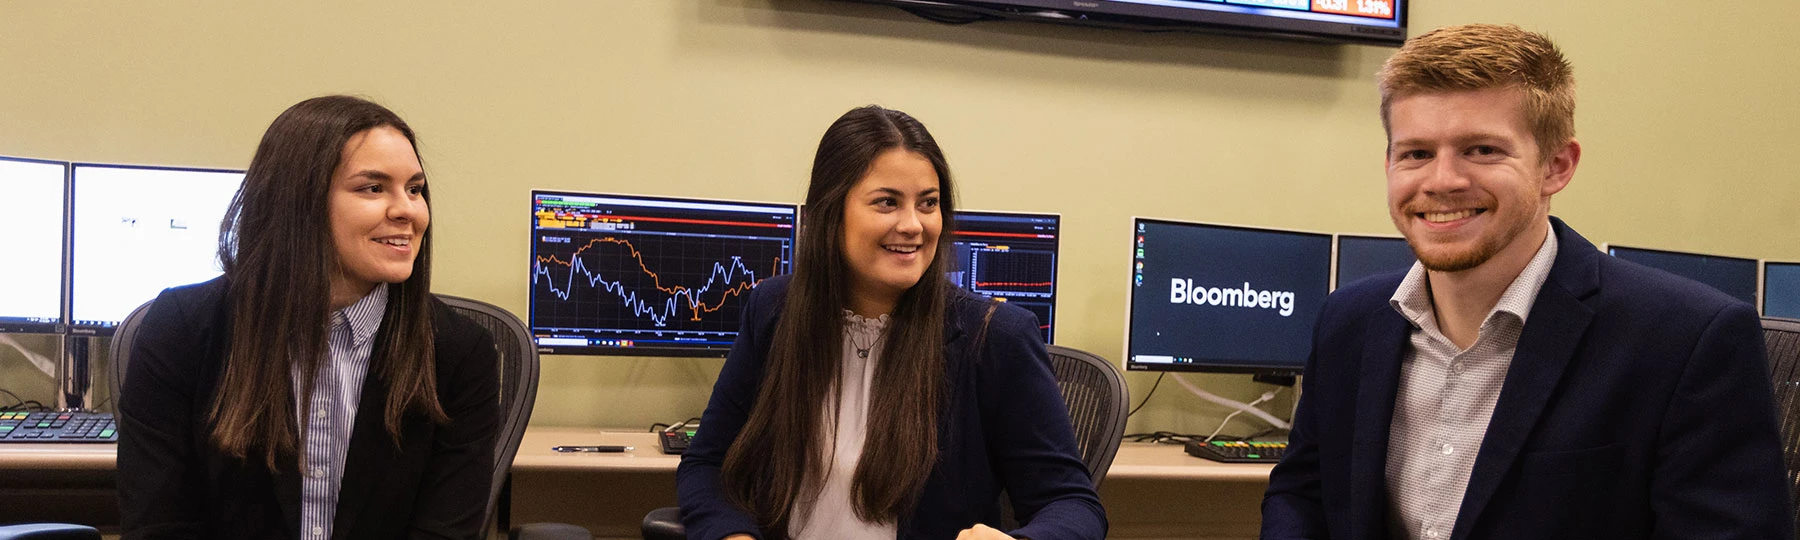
[
  {"x": 370, "y": 452},
  {"x": 1551, "y": 335},
  {"x": 1385, "y": 346}
]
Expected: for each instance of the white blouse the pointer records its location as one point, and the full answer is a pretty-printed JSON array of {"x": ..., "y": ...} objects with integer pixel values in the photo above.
[{"x": 831, "y": 514}]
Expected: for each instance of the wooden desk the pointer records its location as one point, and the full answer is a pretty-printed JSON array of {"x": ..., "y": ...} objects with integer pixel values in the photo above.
[
  {"x": 60, "y": 482},
  {"x": 1151, "y": 491},
  {"x": 1136, "y": 461}
]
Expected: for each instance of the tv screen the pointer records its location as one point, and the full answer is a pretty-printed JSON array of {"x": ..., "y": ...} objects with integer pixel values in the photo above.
[
  {"x": 1781, "y": 290},
  {"x": 1011, "y": 257},
  {"x": 1731, "y": 275},
  {"x": 1377, "y": 22},
  {"x": 1223, "y": 298},
  {"x": 139, "y": 230},
  {"x": 649, "y": 276},
  {"x": 1360, "y": 257},
  {"x": 31, "y": 213}
]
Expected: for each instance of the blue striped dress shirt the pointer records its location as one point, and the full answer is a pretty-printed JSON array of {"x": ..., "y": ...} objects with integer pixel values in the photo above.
[{"x": 328, "y": 419}]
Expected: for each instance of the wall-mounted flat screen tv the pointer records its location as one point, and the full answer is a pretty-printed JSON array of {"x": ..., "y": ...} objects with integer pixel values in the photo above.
[{"x": 1377, "y": 22}]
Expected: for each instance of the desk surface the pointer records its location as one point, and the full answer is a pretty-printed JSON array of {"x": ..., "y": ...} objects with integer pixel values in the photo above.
[
  {"x": 58, "y": 456},
  {"x": 1140, "y": 461}
]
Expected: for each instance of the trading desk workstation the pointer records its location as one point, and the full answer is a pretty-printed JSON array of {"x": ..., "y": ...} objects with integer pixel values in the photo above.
[{"x": 1203, "y": 298}]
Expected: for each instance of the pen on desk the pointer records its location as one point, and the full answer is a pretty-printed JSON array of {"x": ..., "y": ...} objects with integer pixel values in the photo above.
[{"x": 593, "y": 448}]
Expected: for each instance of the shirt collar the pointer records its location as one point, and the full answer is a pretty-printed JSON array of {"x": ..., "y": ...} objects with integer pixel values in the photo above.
[
  {"x": 1413, "y": 298},
  {"x": 364, "y": 316}
]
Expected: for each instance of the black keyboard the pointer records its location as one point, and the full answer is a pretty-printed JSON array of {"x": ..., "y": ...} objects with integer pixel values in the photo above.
[
  {"x": 1238, "y": 451},
  {"x": 57, "y": 427},
  {"x": 676, "y": 441}
]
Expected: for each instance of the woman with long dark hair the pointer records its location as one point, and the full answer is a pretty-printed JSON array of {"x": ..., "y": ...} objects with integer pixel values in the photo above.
[
  {"x": 867, "y": 396},
  {"x": 317, "y": 389}
]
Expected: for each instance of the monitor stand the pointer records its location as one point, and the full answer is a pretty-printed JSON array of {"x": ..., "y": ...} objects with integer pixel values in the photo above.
[{"x": 75, "y": 381}]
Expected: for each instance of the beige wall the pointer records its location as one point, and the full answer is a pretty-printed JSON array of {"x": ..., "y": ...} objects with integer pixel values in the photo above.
[{"x": 1688, "y": 116}]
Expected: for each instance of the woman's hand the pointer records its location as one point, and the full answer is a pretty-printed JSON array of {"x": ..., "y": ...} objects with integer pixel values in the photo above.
[{"x": 982, "y": 532}]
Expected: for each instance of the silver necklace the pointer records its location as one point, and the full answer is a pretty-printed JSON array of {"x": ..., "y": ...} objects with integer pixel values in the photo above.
[{"x": 862, "y": 351}]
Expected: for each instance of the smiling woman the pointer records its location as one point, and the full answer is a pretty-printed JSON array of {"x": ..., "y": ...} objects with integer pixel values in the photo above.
[
  {"x": 859, "y": 400},
  {"x": 318, "y": 376}
]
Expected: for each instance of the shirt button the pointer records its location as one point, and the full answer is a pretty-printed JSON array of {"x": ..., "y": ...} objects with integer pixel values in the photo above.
[
  {"x": 1446, "y": 449},
  {"x": 1431, "y": 532},
  {"x": 318, "y": 472},
  {"x": 321, "y": 415},
  {"x": 318, "y": 531}
]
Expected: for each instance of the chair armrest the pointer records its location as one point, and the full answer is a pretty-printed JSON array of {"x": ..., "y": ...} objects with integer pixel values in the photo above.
[
  {"x": 664, "y": 524},
  {"x": 550, "y": 531},
  {"x": 48, "y": 531}
]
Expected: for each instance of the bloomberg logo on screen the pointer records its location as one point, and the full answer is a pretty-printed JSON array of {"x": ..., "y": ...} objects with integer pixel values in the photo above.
[{"x": 1183, "y": 291}]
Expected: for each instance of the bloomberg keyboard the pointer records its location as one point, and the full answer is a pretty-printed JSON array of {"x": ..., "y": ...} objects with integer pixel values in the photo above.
[
  {"x": 1238, "y": 451},
  {"x": 57, "y": 427}
]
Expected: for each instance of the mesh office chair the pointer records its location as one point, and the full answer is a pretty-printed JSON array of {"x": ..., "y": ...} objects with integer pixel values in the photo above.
[
  {"x": 518, "y": 392},
  {"x": 1782, "y": 337},
  {"x": 1098, "y": 402}
]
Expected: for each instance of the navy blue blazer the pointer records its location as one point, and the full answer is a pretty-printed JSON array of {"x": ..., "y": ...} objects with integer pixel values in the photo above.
[
  {"x": 174, "y": 483},
  {"x": 1005, "y": 426},
  {"x": 1638, "y": 405}
]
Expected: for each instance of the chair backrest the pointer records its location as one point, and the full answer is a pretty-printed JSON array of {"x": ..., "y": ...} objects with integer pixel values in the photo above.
[
  {"x": 123, "y": 336},
  {"x": 518, "y": 382},
  {"x": 1782, "y": 337},
  {"x": 518, "y": 374},
  {"x": 1098, "y": 401}
]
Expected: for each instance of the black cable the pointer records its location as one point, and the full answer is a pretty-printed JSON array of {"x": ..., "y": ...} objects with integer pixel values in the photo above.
[
  {"x": 1147, "y": 395},
  {"x": 22, "y": 404}
]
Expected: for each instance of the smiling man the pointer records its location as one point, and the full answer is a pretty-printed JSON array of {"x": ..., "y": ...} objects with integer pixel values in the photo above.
[{"x": 1516, "y": 383}]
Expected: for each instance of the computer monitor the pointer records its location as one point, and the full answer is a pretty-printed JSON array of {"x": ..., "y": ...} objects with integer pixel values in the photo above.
[
  {"x": 1781, "y": 290},
  {"x": 1010, "y": 257},
  {"x": 1733, "y": 275},
  {"x": 649, "y": 276},
  {"x": 1223, "y": 298},
  {"x": 139, "y": 230},
  {"x": 31, "y": 213},
  {"x": 1359, "y": 257}
]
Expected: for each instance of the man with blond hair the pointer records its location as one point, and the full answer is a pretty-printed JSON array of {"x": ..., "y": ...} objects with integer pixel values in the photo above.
[{"x": 1516, "y": 383}]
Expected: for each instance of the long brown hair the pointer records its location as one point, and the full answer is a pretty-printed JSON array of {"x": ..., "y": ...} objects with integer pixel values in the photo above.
[
  {"x": 766, "y": 470},
  {"x": 276, "y": 247}
]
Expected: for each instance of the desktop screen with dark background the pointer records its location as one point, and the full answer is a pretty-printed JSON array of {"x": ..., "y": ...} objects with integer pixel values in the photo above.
[
  {"x": 1732, "y": 275},
  {"x": 1221, "y": 298}
]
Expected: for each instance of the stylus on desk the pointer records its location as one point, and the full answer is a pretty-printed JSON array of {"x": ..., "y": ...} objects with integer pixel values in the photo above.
[{"x": 593, "y": 448}]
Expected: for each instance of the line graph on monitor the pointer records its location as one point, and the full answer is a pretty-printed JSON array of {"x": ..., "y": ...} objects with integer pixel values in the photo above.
[
  {"x": 1012, "y": 271},
  {"x": 658, "y": 282}
]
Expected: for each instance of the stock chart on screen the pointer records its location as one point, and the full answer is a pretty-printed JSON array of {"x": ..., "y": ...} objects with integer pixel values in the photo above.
[
  {"x": 649, "y": 276},
  {"x": 1011, "y": 257}
]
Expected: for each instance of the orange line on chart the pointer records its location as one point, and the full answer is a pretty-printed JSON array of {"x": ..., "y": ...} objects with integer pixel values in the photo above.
[
  {"x": 694, "y": 304},
  {"x": 1012, "y": 284}
]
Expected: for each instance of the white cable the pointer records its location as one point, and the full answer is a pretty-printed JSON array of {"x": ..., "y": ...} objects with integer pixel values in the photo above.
[
  {"x": 1232, "y": 404},
  {"x": 1222, "y": 423}
]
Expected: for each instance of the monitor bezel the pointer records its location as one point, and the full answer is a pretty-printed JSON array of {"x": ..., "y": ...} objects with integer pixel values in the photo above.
[
  {"x": 1212, "y": 365},
  {"x": 650, "y": 352},
  {"x": 1607, "y": 247},
  {"x": 1055, "y": 269},
  {"x": 1337, "y": 246},
  {"x": 69, "y": 283},
  {"x": 62, "y": 313}
]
